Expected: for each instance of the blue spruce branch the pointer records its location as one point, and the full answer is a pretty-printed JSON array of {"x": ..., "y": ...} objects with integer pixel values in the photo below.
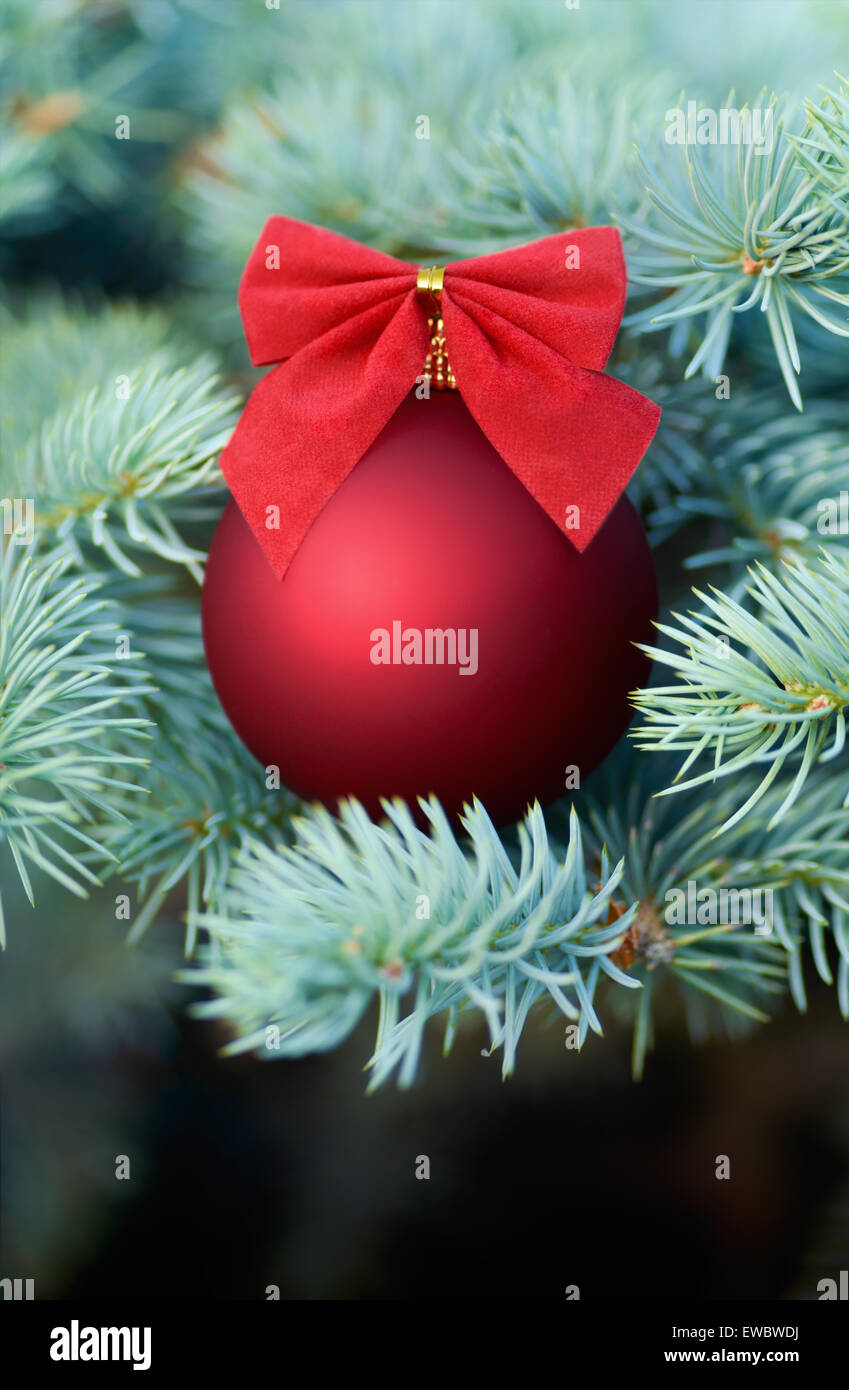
[
  {"x": 765, "y": 690},
  {"x": 67, "y": 721},
  {"x": 739, "y": 230},
  {"x": 308, "y": 936}
]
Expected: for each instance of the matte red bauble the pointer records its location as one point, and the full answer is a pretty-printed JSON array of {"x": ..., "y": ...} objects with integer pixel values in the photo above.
[{"x": 435, "y": 632}]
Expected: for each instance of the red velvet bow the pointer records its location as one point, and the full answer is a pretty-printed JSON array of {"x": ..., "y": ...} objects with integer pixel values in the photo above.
[{"x": 527, "y": 337}]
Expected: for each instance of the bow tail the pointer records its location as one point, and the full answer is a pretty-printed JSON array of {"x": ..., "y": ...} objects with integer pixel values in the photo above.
[
  {"x": 572, "y": 436},
  {"x": 309, "y": 422}
]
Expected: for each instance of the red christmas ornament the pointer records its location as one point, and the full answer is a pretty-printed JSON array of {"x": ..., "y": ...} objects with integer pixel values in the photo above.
[
  {"x": 431, "y": 532},
  {"x": 440, "y": 594}
]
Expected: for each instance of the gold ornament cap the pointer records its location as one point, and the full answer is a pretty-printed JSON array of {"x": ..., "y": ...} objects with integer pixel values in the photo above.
[{"x": 430, "y": 280}]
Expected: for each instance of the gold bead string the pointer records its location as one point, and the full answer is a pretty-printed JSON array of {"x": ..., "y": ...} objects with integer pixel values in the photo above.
[{"x": 437, "y": 369}]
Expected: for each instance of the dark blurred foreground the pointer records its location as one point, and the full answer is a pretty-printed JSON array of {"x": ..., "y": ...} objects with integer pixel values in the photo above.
[{"x": 247, "y": 1173}]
